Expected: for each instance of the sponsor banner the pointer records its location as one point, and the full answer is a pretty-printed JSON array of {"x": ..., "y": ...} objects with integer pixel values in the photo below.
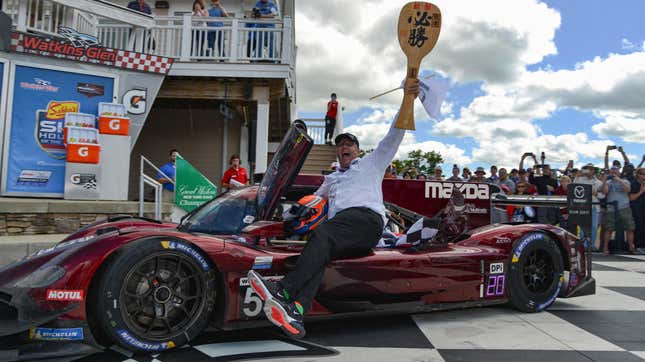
[
  {"x": 65, "y": 295},
  {"x": 56, "y": 334},
  {"x": 191, "y": 187},
  {"x": 88, "y": 52},
  {"x": 134, "y": 101},
  {"x": 36, "y": 151}
]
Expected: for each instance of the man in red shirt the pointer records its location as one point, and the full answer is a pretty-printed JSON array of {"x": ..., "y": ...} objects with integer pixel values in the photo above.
[
  {"x": 330, "y": 118},
  {"x": 236, "y": 175}
]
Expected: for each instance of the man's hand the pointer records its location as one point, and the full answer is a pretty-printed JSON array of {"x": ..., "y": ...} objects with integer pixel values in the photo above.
[{"x": 412, "y": 86}]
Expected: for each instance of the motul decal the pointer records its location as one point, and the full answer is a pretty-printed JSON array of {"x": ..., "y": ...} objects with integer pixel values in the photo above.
[{"x": 65, "y": 295}]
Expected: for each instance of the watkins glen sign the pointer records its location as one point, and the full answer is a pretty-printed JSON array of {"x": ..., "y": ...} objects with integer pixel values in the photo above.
[{"x": 69, "y": 47}]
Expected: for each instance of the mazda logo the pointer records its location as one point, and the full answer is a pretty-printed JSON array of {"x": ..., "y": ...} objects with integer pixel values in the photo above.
[{"x": 579, "y": 192}]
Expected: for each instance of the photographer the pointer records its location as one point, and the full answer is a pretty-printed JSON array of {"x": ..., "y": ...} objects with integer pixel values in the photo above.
[
  {"x": 264, "y": 9},
  {"x": 616, "y": 162},
  {"x": 618, "y": 209}
]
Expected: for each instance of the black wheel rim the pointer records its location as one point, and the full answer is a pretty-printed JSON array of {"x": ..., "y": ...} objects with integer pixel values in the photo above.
[
  {"x": 162, "y": 295},
  {"x": 538, "y": 271}
]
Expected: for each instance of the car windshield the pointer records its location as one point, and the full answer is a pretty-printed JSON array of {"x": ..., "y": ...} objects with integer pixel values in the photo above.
[{"x": 222, "y": 216}]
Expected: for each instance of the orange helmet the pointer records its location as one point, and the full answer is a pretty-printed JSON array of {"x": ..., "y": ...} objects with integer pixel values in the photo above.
[{"x": 310, "y": 211}]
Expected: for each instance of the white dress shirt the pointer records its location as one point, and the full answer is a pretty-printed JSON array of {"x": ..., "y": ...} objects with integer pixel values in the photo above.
[{"x": 360, "y": 184}]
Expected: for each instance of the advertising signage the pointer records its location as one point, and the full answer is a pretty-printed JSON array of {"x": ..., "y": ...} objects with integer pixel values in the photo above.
[{"x": 34, "y": 157}]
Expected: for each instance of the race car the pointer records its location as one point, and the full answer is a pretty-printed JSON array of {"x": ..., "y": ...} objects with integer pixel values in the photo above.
[{"x": 149, "y": 286}]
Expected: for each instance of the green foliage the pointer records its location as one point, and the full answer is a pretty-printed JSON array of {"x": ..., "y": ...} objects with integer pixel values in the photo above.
[{"x": 422, "y": 162}]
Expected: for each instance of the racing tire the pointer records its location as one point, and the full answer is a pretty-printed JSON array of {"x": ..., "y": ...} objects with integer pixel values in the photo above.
[
  {"x": 156, "y": 294},
  {"x": 535, "y": 273}
]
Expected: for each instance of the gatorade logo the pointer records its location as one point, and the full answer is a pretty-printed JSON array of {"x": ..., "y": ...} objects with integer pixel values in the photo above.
[
  {"x": 115, "y": 124},
  {"x": 65, "y": 295},
  {"x": 83, "y": 151}
]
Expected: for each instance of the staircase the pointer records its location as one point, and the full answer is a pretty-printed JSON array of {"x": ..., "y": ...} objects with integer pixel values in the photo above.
[{"x": 319, "y": 159}]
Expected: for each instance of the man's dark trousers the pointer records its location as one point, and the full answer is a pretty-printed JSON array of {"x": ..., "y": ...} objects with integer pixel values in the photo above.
[
  {"x": 330, "y": 124},
  {"x": 351, "y": 232}
]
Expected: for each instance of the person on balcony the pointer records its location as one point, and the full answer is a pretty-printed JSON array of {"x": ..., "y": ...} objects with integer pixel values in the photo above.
[
  {"x": 140, "y": 6},
  {"x": 198, "y": 36},
  {"x": 264, "y": 9},
  {"x": 216, "y": 11},
  {"x": 330, "y": 118}
]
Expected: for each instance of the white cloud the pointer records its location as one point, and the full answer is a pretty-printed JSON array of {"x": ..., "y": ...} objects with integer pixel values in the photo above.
[
  {"x": 630, "y": 129},
  {"x": 626, "y": 44}
]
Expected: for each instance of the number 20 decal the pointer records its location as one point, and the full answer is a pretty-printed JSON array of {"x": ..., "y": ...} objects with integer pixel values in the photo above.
[{"x": 495, "y": 285}]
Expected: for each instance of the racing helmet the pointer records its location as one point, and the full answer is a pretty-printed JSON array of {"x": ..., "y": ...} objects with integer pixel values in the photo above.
[{"x": 309, "y": 212}]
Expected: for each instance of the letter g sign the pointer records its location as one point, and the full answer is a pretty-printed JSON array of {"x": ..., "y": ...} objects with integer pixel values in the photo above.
[
  {"x": 83, "y": 151},
  {"x": 115, "y": 124}
]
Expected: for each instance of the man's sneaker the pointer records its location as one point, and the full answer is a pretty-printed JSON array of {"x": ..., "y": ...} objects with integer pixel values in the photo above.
[{"x": 284, "y": 314}]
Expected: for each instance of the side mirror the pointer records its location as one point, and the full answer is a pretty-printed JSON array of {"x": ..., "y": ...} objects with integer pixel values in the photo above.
[{"x": 265, "y": 229}]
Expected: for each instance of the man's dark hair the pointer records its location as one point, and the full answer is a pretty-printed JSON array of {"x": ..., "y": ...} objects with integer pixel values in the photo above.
[
  {"x": 234, "y": 156},
  {"x": 172, "y": 150},
  {"x": 333, "y": 94}
]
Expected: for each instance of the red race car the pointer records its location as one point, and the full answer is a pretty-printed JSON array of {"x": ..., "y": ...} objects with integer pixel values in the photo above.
[{"x": 149, "y": 286}]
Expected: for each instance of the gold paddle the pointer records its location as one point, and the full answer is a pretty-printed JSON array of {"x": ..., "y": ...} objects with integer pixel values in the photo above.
[{"x": 419, "y": 27}]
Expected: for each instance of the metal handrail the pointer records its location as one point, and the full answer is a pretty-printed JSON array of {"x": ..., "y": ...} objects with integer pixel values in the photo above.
[{"x": 151, "y": 181}]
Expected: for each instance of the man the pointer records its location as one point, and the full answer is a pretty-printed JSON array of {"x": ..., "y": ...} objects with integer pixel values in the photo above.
[
  {"x": 637, "y": 203},
  {"x": 168, "y": 169},
  {"x": 545, "y": 185},
  {"x": 266, "y": 9},
  {"x": 479, "y": 175},
  {"x": 515, "y": 175},
  {"x": 236, "y": 175},
  {"x": 455, "y": 174},
  {"x": 438, "y": 174},
  {"x": 587, "y": 176},
  {"x": 524, "y": 177},
  {"x": 140, "y": 6},
  {"x": 618, "y": 209},
  {"x": 615, "y": 162},
  {"x": 504, "y": 180},
  {"x": 330, "y": 118},
  {"x": 493, "y": 175},
  {"x": 216, "y": 11},
  {"x": 354, "y": 226},
  {"x": 465, "y": 174}
]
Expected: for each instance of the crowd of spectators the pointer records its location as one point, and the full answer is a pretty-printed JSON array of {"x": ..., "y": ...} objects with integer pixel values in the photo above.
[{"x": 618, "y": 193}]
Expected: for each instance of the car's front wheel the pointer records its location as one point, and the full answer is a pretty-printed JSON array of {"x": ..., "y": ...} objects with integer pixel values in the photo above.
[
  {"x": 155, "y": 295},
  {"x": 535, "y": 273}
]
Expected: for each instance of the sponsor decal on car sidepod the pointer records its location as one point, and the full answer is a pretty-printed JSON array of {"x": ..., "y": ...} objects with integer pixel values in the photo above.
[
  {"x": 262, "y": 262},
  {"x": 65, "y": 295},
  {"x": 173, "y": 245},
  {"x": 523, "y": 244},
  {"x": 56, "y": 334},
  {"x": 146, "y": 346}
]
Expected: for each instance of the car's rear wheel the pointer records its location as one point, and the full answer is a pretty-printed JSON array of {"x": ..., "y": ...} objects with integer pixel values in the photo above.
[
  {"x": 156, "y": 294},
  {"x": 535, "y": 273}
]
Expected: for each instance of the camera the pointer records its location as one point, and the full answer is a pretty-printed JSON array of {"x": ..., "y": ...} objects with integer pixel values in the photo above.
[
  {"x": 609, "y": 177},
  {"x": 256, "y": 13},
  {"x": 612, "y": 147}
]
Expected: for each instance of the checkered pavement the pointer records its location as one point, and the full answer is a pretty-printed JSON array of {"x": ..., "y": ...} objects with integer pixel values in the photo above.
[{"x": 607, "y": 326}]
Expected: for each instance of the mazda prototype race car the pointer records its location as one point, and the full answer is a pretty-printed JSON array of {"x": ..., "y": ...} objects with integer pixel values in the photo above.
[{"x": 149, "y": 286}]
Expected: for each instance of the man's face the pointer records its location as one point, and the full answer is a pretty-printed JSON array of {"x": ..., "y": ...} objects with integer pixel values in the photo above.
[
  {"x": 173, "y": 156},
  {"x": 641, "y": 175},
  {"x": 493, "y": 170},
  {"x": 546, "y": 171},
  {"x": 346, "y": 151},
  {"x": 455, "y": 172},
  {"x": 235, "y": 162}
]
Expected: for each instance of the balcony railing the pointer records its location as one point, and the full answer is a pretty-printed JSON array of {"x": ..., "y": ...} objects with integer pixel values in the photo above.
[
  {"x": 191, "y": 38},
  {"x": 185, "y": 38}
]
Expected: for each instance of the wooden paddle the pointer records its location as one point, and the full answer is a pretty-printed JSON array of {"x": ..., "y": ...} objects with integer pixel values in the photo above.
[{"x": 419, "y": 27}]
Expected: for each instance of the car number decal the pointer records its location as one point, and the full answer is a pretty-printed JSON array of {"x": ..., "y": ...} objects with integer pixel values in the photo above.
[{"x": 250, "y": 303}]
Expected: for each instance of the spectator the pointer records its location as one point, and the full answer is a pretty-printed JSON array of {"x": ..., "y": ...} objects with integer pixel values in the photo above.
[
  {"x": 167, "y": 174},
  {"x": 216, "y": 11},
  {"x": 563, "y": 190},
  {"x": 545, "y": 185},
  {"x": 587, "y": 176},
  {"x": 257, "y": 40},
  {"x": 407, "y": 176},
  {"x": 504, "y": 180},
  {"x": 438, "y": 174},
  {"x": 506, "y": 190},
  {"x": 140, "y": 6},
  {"x": 618, "y": 210},
  {"x": 521, "y": 213},
  {"x": 465, "y": 174},
  {"x": 637, "y": 203},
  {"x": 421, "y": 177},
  {"x": 236, "y": 175},
  {"x": 455, "y": 174},
  {"x": 198, "y": 38},
  {"x": 479, "y": 175},
  {"x": 628, "y": 173},
  {"x": 493, "y": 175},
  {"x": 616, "y": 163},
  {"x": 524, "y": 177},
  {"x": 515, "y": 176},
  {"x": 330, "y": 118}
]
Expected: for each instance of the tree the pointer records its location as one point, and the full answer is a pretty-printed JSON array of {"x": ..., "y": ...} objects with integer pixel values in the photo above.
[{"x": 423, "y": 162}]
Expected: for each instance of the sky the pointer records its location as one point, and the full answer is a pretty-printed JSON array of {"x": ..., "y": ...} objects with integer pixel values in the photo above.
[{"x": 564, "y": 77}]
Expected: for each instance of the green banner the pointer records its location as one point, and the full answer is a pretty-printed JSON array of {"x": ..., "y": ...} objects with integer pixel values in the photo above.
[{"x": 191, "y": 187}]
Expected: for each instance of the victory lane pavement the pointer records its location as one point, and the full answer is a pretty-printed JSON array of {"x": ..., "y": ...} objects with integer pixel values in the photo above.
[{"x": 607, "y": 326}]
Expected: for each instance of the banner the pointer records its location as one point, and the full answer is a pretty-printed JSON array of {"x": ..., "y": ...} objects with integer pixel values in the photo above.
[
  {"x": 191, "y": 187},
  {"x": 36, "y": 153}
]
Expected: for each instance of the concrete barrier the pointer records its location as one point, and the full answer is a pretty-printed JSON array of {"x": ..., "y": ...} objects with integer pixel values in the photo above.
[{"x": 13, "y": 248}]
